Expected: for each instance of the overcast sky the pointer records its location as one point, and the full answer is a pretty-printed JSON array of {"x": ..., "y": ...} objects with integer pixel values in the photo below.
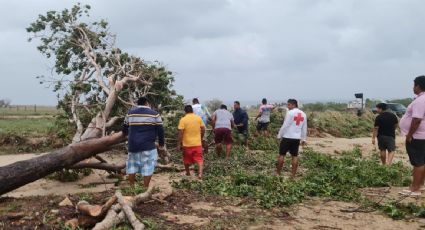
[{"x": 242, "y": 49}]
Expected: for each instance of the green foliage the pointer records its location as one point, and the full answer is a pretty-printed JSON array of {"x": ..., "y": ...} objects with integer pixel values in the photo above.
[
  {"x": 341, "y": 124},
  {"x": 87, "y": 65},
  {"x": 370, "y": 103},
  {"x": 68, "y": 175},
  {"x": 62, "y": 128},
  {"x": 86, "y": 197},
  {"x": 132, "y": 191},
  {"x": 393, "y": 211},
  {"x": 26, "y": 127},
  {"x": 250, "y": 174},
  {"x": 398, "y": 211},
  {"x": 321, "y": 107},
  {"x": 171, "y": 121},
  {"x": 263, "y": 143},
  {"x": 150, "y": 224},
  {"x": 338, "y": 124},
  {"x": 27, "y": 135}
]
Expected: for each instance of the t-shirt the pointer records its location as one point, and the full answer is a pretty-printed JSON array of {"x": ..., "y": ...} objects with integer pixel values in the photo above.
[
  {"x": 201, "y": 111},
  {"x": 294, "y": 126},
  {"x": 416, "y": 109},
  {"x": 386, "y": 123},
  {"x": 143, "y": 125},
  {"x": 223, "y": 119},
  {"x": 241, "y": 117},
  {"x": 191, "y": 125},
  {"x": 265, "y": 111}
]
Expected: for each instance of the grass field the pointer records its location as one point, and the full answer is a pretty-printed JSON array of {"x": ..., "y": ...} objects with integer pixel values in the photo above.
[{"x": 26, "y": 127}]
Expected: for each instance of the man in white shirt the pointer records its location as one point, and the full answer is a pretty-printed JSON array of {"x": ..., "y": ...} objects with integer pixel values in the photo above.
[
  {"x": 223, "y": 122},
  {"x": 292, "y": 133}
]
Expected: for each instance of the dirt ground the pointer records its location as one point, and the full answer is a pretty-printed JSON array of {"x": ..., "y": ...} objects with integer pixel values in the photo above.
[
  {"x": 35, "y": 206},
  {"x": 335, "y": 146}
]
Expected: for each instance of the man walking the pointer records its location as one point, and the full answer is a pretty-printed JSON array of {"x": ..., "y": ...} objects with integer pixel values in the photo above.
[
  {"x": 143, "y": 125},
  {"x": 292, "y": 132},
  {"x": 222, "y": 121},
  {"x": 201, "y": 110},
  {"x": 191, "y": 132},
  {"x": 413, "y": 127},
  {"x": 384, "y": 129},
  {"x": 263, "y": 117},
  {"x": 241, "y": 121}
]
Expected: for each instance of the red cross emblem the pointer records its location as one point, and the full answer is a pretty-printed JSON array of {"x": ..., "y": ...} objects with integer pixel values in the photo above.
[{"x": 298, "y": 119}]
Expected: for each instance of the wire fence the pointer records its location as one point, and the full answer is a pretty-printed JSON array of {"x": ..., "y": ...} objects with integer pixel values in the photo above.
[{"x": 28, "y": 110}]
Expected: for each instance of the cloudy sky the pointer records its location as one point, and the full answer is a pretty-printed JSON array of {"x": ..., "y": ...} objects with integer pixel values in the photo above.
[{"x": 242, "y": 49}]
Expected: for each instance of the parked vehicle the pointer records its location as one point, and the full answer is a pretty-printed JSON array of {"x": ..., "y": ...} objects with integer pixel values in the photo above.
[{"x": 396, "y": 108}]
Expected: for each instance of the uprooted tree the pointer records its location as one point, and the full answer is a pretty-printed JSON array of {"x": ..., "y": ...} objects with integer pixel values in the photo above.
[{"x": 96, "y": 83}]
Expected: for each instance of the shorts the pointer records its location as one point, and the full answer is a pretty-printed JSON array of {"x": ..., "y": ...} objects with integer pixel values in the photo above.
[
  {"x": 289, "y": 145},
  {"x": 142, "y": 162},
  {"x": 262, "y": 126},
  {"x": 386, "y": 143},
  {"x": 416, "y": 151},
  {"x": 192, "y": 155},
  {"x": 223, "y": 135}
]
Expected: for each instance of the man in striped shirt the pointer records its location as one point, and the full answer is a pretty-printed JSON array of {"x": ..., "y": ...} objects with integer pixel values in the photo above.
[{"x": 143, "y": 126}]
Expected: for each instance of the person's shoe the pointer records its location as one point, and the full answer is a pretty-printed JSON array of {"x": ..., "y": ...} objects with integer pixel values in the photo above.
[{"x": 406, "y": 192}]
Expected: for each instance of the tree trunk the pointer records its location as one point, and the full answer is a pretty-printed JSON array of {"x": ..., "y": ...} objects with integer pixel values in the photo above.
[{"x": 20, "y": 173}]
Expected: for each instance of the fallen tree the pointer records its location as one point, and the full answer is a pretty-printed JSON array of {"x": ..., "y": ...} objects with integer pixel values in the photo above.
[
  {"x": 112, "y": 213},
  {"x": 23, "y": 172},
  {"x": 96, "y": 84}
]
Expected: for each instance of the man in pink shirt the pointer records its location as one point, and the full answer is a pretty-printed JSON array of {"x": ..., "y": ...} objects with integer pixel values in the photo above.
[{"x": 413, "y": 127}]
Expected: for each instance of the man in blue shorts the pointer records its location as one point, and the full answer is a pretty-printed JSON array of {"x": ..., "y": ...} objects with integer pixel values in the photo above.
[{"x": 143, "y": 125}]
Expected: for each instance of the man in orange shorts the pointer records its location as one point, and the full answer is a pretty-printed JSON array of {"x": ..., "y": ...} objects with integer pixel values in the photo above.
[{"x": 191, "y": 133}]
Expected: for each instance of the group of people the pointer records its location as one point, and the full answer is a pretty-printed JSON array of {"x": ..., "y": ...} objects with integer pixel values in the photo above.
[
  {"x": 144, "y": 126},
  {"x": 412, "y": 127}
]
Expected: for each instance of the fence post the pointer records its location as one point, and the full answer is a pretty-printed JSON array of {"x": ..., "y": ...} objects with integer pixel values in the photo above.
[{"x": 35, "y": 108}]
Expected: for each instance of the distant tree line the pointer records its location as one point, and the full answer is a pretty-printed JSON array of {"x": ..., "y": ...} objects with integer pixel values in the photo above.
[
  {"x": 404, "y": 101},
  {"x": 333, "y": 106},
  {"x": 370, "y": 103}
]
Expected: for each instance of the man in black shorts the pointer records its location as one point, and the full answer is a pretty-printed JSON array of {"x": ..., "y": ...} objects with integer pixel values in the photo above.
[
  {"x": 384, "y": 128},
  {"x": 412, "y": 125},
  {"x": 292, "y": 133}
]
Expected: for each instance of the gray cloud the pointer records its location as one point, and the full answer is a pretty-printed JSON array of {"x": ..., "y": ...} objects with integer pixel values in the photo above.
[{"x": 243, "y": 49}]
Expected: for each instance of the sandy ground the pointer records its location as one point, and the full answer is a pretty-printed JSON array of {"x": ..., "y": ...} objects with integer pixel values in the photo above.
[
  {"x": 96, "y": 182},
  {"x": 335, "y": 146},
  {"x": 312, "y": 214}
]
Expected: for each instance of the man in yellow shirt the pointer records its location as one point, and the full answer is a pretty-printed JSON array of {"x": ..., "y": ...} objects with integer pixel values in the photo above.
[{"x": 191, "y": 133}]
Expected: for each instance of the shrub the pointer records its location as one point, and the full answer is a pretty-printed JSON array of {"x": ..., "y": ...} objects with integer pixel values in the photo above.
[{"x": 251, "y": 175}]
